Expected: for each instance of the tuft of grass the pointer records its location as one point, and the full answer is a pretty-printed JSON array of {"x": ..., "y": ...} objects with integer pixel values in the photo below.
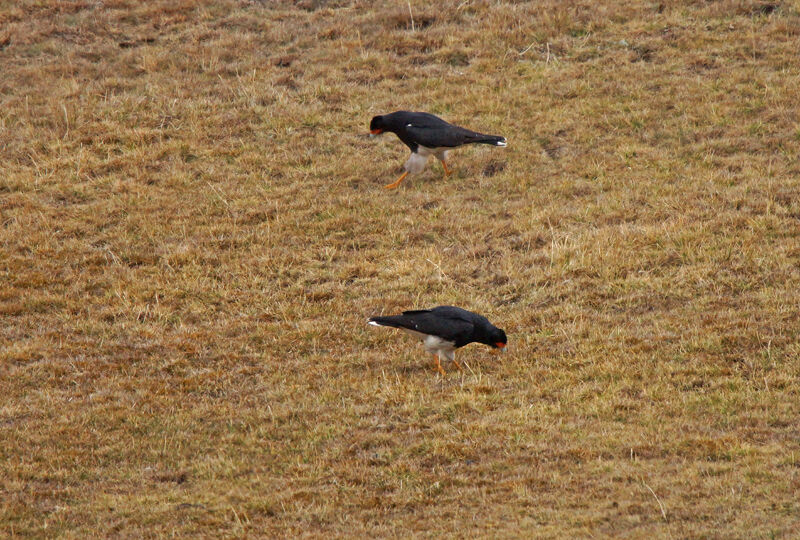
[{"x": 194, "y": 231}]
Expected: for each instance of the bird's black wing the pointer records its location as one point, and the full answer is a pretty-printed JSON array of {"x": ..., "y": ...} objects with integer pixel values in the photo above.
[
  {"x": 428, "y": 130},
  {"x": 450, "y": 327},
  {"x": 448, "y": 324},
  {"x": 441, "y": 137},
  {"x": 433, "y": 132}
]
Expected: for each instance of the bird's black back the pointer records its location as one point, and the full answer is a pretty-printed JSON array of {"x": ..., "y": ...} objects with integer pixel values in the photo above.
[
  {"x": 449, "y": 323},
  {"x": 417, "y": 129}
]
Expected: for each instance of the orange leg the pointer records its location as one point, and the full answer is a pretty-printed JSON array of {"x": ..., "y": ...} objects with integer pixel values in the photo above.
[
  {"x": 457, "y": 365},
  {"x": 439, "y": 365},
  {"x": 396, "y": 183},
  {"x": 447, "y": 171}
]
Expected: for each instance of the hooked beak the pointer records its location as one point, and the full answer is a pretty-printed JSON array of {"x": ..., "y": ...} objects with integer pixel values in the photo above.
[
  {"x": 374, "y": 132},
  {"x": 501, "y": 347}
]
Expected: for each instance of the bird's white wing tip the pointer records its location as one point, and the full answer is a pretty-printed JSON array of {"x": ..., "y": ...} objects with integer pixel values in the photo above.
[
  {"x": 373, "y": 323},
  {"x": 501, "y": 143}
]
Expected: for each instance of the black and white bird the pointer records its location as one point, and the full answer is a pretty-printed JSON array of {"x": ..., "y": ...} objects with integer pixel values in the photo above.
[
  {"x": 444, "y": 329},
  {"x": 426, "y": 135}
]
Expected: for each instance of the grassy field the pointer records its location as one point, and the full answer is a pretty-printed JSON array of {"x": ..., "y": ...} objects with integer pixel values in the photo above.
[{"x": 194, "y": 232}]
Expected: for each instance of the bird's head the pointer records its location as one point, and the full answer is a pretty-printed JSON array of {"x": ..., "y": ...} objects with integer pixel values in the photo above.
[
  {"x": 377, "y": 125},
  {"x": 497, "y": 339}
]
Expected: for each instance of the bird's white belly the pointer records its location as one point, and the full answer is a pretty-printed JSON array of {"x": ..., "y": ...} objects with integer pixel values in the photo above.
[
  {"x": 416, "y": 162},
  {"x": 438, "y": 345},
  {"x": 440, "y": 153},
  {"x": 433, "y": 344}
]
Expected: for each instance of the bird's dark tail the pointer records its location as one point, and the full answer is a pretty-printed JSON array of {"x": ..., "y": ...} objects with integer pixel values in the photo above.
[
  {"x": 480, "y": 138},
  {"x": 406, "y": 320},
  {"x": 395, "y": 321}
]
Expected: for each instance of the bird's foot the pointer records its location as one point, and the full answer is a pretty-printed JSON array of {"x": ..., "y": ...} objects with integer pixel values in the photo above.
[
  {"x": 439, "y": 365},
  {"x": 396, "y": 183}
]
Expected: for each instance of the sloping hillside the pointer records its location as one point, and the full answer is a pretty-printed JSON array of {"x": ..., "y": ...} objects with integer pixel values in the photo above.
[{"x": 195, "y": 230}]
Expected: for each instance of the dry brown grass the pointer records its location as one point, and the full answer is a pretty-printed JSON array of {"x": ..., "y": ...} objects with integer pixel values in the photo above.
[{"x": 194, "y": 232}]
